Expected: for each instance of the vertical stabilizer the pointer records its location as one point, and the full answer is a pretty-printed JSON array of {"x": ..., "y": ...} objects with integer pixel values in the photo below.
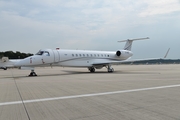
[{"x": 129, "y": 42}]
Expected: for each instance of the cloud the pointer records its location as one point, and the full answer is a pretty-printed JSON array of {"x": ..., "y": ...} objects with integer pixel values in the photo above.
[
  {"x": 84, "y": 24},
  {"x": 155, "y": 7}
]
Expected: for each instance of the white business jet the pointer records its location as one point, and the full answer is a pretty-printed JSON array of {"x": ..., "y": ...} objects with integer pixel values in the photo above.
[{"x": 74, "y": 58}]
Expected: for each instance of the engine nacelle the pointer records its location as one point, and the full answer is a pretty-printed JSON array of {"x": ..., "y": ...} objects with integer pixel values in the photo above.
[{"x": 118, "y": 53}]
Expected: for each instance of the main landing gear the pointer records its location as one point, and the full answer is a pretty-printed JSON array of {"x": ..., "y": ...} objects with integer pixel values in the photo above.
[
  {"x": 32, "y": 73},
  {"x": 91, "y": 69},
  {"x": 5, "y": 68},
  {"x": 109, "y": 69}
]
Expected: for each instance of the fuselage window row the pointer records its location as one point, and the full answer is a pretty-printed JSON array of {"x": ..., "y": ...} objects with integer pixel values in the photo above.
[{"x": 89, "y": 55}]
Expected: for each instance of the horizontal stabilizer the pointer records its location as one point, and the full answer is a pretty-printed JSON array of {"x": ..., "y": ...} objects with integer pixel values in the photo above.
[
  {"x": 133, "y": 39},
  {"x": 129, "y": 42}
]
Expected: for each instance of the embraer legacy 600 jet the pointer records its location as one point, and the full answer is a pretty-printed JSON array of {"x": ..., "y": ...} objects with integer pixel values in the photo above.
[{"x": 74, "y": 58}]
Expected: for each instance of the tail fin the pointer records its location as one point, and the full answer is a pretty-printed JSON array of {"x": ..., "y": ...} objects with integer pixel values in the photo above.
[{"x": 129, "y": 42}]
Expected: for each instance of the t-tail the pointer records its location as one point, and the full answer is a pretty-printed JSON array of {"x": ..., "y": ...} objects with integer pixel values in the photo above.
[{"x": 129, "y": 42}]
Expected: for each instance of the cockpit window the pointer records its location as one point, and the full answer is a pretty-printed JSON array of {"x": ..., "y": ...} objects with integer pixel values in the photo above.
[
  {"x": 45, "y": 53},
  {"x": 40, "y": 53}
]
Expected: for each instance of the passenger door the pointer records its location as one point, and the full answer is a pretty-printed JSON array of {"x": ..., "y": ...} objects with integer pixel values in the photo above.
[{"x": 56, "y": 56}]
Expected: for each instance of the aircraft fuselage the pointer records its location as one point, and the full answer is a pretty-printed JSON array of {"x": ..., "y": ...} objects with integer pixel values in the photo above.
[{"x": 73, "y": 58}]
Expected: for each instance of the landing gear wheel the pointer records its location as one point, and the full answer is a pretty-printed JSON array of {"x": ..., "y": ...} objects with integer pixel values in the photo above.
[
  {"x": 32, "y": 73},
  {"x": 5, "y": 68},
  {"x": 110, "y": 69},
  {"x": 92, "y": 69}
]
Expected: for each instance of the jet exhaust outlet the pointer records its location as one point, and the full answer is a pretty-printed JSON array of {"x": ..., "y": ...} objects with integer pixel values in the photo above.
[{"x": 118, "y": 53}]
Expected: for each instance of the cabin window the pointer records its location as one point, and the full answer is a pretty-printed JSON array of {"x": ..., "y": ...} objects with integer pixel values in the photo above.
[
  {"x": 73, "y": 55},
  {"x": 76, "y": 55},
  {"x": 98, "y": 55},
  {"x": 84, "y": 55},
  {"x": 94, "y": 55},
  {"x": 91, "y": 55},
  {"x": 87, "y": 55},
  {"x": 80, "y": 55}
]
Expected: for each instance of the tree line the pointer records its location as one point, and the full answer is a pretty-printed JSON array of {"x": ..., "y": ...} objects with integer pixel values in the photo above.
[
  {"x": 14, "y": 55},
  {"x": 157, "y": 61}
]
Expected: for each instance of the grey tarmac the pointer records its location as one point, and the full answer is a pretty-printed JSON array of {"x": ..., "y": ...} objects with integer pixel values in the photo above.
[{"x": 132, "y": 92}]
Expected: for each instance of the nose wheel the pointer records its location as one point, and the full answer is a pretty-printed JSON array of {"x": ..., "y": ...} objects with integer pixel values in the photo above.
[{"x": 32, "y": 73}]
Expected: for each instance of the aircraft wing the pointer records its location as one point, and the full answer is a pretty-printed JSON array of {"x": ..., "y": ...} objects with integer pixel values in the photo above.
[
  {"x": 106, "y": 62},
  {"x": 115, "y": 62},
  {"x": 140, "y": 60}
]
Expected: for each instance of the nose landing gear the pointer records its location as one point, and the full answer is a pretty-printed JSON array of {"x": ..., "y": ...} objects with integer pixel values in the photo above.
[{"x": 32, "y": 73}]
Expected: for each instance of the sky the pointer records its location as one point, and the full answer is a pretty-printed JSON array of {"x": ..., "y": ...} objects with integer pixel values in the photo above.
[{"x": 30, "y": 25}]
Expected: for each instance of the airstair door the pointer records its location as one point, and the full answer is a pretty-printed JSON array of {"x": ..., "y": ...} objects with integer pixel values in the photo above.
[{"x": 56, "y": 56}]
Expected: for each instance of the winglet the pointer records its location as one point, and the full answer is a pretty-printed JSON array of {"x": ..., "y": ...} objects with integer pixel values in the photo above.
[{"x": 166, "y": 53}]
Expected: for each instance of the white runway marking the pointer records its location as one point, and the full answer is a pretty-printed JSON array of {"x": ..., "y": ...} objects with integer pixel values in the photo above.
[{"x": 88, "y": 95}]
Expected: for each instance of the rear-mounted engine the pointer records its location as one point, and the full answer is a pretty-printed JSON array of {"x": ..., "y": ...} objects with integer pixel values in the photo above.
[{"x": 118, "y": 53}]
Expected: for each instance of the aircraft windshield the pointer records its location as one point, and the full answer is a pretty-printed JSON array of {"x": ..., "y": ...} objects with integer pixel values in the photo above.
[
  {"x": 40, "y": 52},
  {"x": 45, "y": 53}
]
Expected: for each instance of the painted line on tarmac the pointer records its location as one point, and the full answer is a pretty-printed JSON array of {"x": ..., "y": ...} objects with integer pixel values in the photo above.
[{"x": 87, "y": 95}]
